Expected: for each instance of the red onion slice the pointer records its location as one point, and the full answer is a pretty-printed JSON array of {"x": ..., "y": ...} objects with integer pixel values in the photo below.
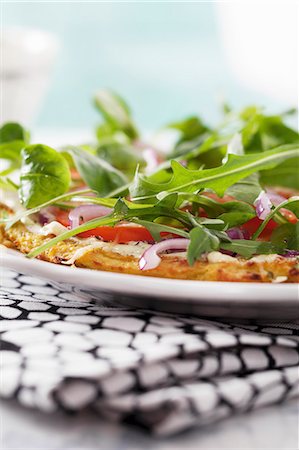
[
  {"x": 263, "y": 205},
  {"x": 150, "y": 258},
  {"x": 237, "y": 233},
  {"x": 275, "y": 198},
  {"x": 291, "y": 254},
  {"x": 151, "y": 158},
  {"x": 84, "y": 213},
  {"x": 46, "y": 215},
  {"x": 265, "y": 201}
]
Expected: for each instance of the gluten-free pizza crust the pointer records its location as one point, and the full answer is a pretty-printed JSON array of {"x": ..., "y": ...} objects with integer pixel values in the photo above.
[{"x": 116, "y": 258}]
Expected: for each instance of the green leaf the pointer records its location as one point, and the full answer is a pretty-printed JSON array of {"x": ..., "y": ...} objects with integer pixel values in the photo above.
[
  {"x": 121, "y": 156},
  {"x": 122, "y": 211},
  {"x": 218, "y": 179},
  {"x": 12, "y": 131},
  {"x": 11, "y": 151},
  {"x": 291, "y": 203},
  {"x": 236, "y": 213},
  {"x": 157, "y": 228},
  {"x": 287, "y": 236},
  {"x": 28, "y": 212},
  {"x": 201, "y": 241},
  {"x": 192, "y": 132},
  {"x": 7, "y": 184},
  {"x": 98, "y": 174},
  {"x": 94, "y": 223},
  {"x": 13, "y": 137},
  {"x": 246, "y": 190},
  {"x": 116, "y": 112},
  {"x": 264, "y": 132},
  {"x": 285, "y": 174},
  {"x": 248, "y": 248},
  {"x": 44, "y": 175}
]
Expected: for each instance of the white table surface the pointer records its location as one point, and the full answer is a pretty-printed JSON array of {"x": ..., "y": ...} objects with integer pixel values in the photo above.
[{"x": 269, "y": 428}]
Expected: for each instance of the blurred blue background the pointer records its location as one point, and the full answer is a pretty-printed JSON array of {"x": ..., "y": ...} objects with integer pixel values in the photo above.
[{"x": 166, "y": 59}]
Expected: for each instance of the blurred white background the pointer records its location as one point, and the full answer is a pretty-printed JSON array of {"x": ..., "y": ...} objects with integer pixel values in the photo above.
[{"x": 167, "y": 59}]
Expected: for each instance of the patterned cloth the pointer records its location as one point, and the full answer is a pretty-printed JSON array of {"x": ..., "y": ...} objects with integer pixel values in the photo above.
[{"x": 61, "y": 348}]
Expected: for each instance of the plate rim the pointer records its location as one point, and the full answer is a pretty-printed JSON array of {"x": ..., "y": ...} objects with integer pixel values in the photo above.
[{"x": 279, "y": 294}]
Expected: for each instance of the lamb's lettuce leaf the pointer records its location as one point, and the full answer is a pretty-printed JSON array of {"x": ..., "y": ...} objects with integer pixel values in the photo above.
[
  {"x": 97, "y": 173},
  {"x": 44, "y": 175},
  {"x": 116, "y": 114}
]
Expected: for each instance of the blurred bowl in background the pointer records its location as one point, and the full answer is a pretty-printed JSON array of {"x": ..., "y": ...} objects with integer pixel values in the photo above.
[
  {"x": 261, "y": 43},
  {"x": 27, "y": 60}
]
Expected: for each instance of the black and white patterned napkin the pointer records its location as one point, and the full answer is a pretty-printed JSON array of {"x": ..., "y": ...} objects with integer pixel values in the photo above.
[{"x": 61, "y": 349}]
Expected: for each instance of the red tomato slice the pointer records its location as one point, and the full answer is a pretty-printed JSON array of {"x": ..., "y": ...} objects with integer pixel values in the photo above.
[
  {"x": 61, "y": 215},
  {"x": 121, "y": 234},
  {"x": 289, "y": 215},
  {"x": 252, "y": 225},
  {"x": 224, "y": 199}
]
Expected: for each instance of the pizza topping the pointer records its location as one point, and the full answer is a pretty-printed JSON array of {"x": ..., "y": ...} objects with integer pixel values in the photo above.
[
  {"x": 265, "y": 258},
  {"x": 215, "y": 189},
  {"x": 84, "y": 213},
  {"x": 280, "y": 279},
  {"x": 54, "y": 227},
  {"x": 291, "y": 253},
  {"x": 217, "y": 257},
  {"x": 238, "y": 233},
  {"x": 151, "y": 259},
  {"x": 263, "y": 205}
]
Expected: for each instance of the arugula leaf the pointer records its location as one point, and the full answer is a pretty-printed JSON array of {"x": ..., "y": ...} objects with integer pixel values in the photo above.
[
  {"x": 201, "y": 241},
  {"x": 248, "y": 248},
  {"x": 264, "y": 132},
  {"x": 28, "y": 212},
  {"x": 246, "y": 190},
  {"x": 116, "y": 112},
  {"x": 287, "y": 236},
  {"x": 94, "y": 223},
  {"x": 236, "y": 213},
  {"x": 122, "y": 211},
  {"x": 189, "y": 128},
  {"x": 219, "y": 179},
  {"x": 285, "y": 174},
  {"x": 98, "y": 174},
  {"x": 192, "y": 132},
  {"x": 44, "y": 175},
  {"x": 157, "y": 228}
]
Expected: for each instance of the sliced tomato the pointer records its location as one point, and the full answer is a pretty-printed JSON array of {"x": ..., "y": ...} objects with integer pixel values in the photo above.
[
  {"x": 120, "y": 234},
  {"x": 253, "y": 224},
  {"x": 61, "y": 215},
  {"x": 289, "y": 215},
  {"x": 224, "y": 199},
  {"x": 124, "y": 233}
]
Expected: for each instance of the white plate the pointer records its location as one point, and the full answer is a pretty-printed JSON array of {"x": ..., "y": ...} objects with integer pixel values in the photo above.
[{"x": 208, "y": 298}]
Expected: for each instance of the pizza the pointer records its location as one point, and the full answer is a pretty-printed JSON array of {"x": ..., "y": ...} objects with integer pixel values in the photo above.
[{"x": 221, "y": 204}]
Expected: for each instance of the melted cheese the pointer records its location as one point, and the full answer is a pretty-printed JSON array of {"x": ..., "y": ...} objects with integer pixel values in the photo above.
[
  {"x": 11, "y": 199},
  {"x": 265, "y": 258},
  {"x": 53, "y": 228},
  {"x": 216, "y": 257},
  {"x": 134, "y": 249},
  {"x": 280, "y": 279}
]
